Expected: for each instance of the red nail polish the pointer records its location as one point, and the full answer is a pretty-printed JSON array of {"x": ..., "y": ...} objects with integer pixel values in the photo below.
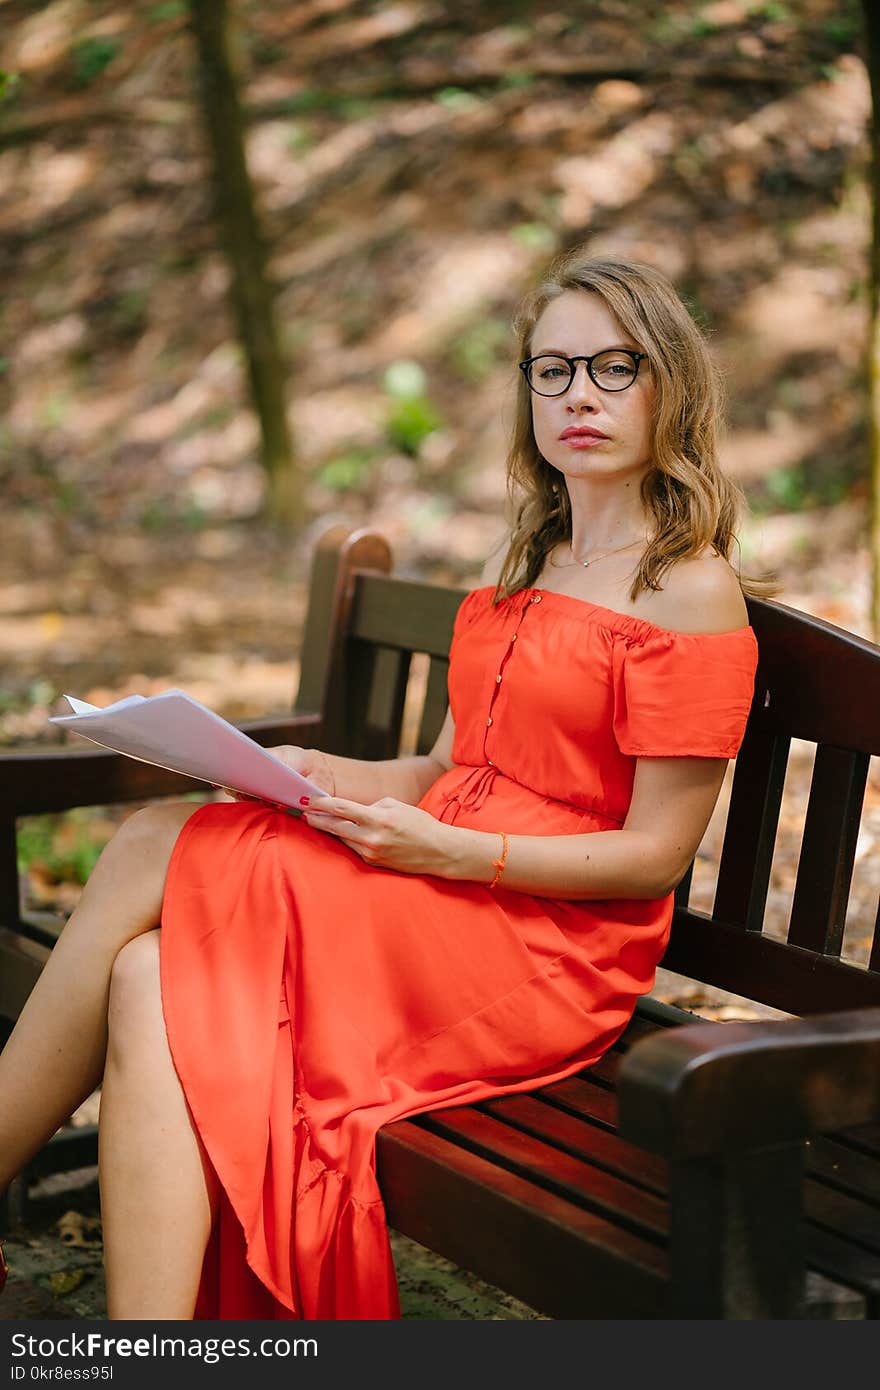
[{"x": 305, "y": 801}]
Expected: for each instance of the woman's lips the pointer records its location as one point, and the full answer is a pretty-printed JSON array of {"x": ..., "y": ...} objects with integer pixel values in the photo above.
[
  {"x": 582, "y": 436},
  {"x": 584, "y": 441}
]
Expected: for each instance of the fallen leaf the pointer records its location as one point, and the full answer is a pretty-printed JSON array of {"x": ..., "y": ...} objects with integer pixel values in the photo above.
[{"x": 66, "y": 1280}]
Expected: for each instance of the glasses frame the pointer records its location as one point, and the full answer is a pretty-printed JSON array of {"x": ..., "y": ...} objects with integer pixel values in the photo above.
[{"x": 637, "y": 359}]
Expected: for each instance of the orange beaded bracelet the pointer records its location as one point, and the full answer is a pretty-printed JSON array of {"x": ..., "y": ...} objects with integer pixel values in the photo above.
[{"x": 498, "y": 864}]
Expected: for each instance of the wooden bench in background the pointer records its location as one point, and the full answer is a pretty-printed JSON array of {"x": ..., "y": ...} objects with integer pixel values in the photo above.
[{"x": 701, "y": 1169}]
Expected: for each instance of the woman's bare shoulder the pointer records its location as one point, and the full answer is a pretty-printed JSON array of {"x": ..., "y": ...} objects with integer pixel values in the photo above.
[{"x": 700, "y": 594}]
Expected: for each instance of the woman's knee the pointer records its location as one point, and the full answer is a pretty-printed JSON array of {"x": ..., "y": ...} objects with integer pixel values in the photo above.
[
  {"x": 135, "y": 1003},
  {"x": 133, "y": 866},
  {"x": 150, "y": 833}
]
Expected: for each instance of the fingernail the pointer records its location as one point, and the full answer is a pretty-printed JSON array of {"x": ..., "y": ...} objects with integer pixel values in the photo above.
[{"x": 305, "y": 801}]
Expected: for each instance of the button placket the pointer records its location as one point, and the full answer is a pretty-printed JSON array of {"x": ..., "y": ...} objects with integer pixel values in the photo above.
[{"x": 499, "y": 679}]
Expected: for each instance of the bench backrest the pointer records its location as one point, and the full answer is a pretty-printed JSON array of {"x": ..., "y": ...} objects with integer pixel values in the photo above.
[{"x": 815, "y": 682}]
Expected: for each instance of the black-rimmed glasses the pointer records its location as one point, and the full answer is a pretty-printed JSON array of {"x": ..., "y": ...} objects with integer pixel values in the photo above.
[{"x": 550, "y": 374}]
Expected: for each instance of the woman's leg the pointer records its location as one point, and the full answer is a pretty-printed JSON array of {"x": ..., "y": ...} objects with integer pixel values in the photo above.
[
  {"x": 158, "y": 1191},
  {"x": 55, "y": 1055}
]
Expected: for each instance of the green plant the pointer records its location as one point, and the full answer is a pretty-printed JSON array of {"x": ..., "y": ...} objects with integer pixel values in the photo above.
[
  {"x": 478, "y": 350},
  {"x": 841, "y": 30},
  {"x": 155, "y": 517},
  {"x": 299, "y": 138},
  {"x": 410, "y": 423},
  {"x": 411, "y": 416},
  {"x": 535, "y": 236},
  {"x": 91, "y": 56},
  {"x": 347, "y": 470},
  {"x": 516, "y": 77},
  {"x": 171, "y": 9},
  {"x": 456, "y": 99},
  {"x": 66, "y": 846},
  {"x": 10, "y": 83},
  {"x": 772, "y": 12},
  {"x": 313, "y": 99},
  {"x": 55, "y": 407},
  {"x": 129, "y": 312}
]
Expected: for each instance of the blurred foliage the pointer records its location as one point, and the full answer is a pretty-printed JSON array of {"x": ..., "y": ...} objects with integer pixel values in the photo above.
[
  {"x": 458, "y": 100},
  {"x": 10, "y": 83},
  {"x": 410, "y": 423},
  {"x": 91, "y": 56},
  {"x": 411, "y": 417},
  {"x": 171, "y": 9},
  {"x": 478, "y": 349},
  {"x": 534, "y": 236},
  {"x": 800, "y": 487},
  {"x": 63, "y": 847},
  {"x": 348, "y": 470}
]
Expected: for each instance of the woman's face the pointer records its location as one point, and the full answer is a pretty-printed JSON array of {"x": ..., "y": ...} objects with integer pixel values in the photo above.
[{"x": 616, "y": 431}]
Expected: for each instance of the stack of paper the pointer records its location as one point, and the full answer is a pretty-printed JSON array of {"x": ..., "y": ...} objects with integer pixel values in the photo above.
[{"x": 174, "y": 731}]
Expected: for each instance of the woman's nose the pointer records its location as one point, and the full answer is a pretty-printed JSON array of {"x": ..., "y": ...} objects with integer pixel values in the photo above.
[{"x": 583, "y": 391}]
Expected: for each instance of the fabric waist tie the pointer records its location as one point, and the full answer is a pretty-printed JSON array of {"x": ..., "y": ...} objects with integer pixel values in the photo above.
[{"x": 470, "y": 793}]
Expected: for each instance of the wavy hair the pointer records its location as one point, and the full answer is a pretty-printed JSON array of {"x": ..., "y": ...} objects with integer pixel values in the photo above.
[{"x": 688, "y": 499}]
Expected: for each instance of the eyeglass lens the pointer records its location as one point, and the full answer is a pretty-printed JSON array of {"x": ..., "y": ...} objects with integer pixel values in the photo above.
[{"x": 611, "y": 371}]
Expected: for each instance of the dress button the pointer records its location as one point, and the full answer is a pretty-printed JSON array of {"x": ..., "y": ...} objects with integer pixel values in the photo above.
[
  {"x": 513, "y": 638},
  {"x": 497, "y": 680},
  {"x": 488, "y": 721},
  {"x": 537, "y": 598},
  {"x": 490, "y": 762}
]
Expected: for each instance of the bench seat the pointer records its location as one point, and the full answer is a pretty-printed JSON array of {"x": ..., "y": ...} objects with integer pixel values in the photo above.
[{"x": 574, "y": 1219}]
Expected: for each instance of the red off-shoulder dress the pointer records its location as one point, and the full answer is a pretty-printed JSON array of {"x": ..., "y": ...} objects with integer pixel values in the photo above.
[{"x": 310, "y": 998}]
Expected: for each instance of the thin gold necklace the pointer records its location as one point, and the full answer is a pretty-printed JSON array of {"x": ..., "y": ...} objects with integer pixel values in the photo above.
[{"x": 592, "y": 561}]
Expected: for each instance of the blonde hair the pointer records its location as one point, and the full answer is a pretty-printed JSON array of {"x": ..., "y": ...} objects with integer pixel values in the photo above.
[{"x": 690, "y": 501}]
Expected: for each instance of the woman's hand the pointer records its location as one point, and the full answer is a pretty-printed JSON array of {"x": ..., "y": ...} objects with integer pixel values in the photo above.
[
  {"x": 389, "y": 834},
  {"x": 308, "y": 762}
]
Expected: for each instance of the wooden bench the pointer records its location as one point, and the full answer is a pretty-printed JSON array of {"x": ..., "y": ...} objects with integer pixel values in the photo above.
[{"x": 702, "y": 1169}]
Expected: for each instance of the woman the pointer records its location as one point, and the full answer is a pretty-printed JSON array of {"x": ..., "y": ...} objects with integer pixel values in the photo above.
[{"x": 444, "y": 928}]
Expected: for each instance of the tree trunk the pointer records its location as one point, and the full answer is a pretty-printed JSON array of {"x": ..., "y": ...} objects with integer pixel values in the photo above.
[
  {"x": 252, "y": 296},
  {"x": 872, "y": 44}
]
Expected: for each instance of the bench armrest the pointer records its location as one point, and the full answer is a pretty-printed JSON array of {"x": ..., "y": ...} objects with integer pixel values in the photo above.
[
  {"x": 709, "y": 1088},
  {"x": 58, "y": 779}
]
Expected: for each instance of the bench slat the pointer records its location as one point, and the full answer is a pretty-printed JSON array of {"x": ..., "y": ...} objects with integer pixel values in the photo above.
[
  {"x": 772, "y": 972},
  {"x": 842, "y": 1166},
  {"x": 580, "y": 1097},
  {"x": 434, "y": 707},
  {"x": 865, "y": 1138},
  {"x": 559, "y": 1258},
  {"x": 843, "y": 1215},
  {"x": 750, "y": 833},
  {"x": 589, "y": 1142},
  {"x": 839, "y": 1259},
  {"x": 828, "y": 850},
  {"x": 407, "y": 614},
  {"x": 638, "y": 1211}
]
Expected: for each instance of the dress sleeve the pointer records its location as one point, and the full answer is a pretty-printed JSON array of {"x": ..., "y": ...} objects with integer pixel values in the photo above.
[{"x": 684, "y": 695}]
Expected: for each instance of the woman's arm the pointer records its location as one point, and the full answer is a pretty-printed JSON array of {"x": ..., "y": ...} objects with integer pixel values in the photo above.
[
  {"x": 672, "y": 801},
  {"x": 359, "y": 779}
]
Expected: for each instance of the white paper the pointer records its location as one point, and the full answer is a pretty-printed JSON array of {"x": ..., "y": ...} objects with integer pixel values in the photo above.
[{"x": 174, "y": 731}]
